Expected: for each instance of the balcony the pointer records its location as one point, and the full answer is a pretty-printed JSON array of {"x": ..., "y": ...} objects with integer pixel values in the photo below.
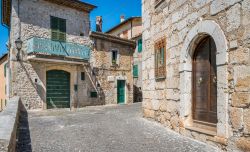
[{"x": 46, "y": 48}]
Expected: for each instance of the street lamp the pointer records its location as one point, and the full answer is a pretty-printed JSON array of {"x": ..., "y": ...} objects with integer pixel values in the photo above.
[{"x": 19, "y": 44}]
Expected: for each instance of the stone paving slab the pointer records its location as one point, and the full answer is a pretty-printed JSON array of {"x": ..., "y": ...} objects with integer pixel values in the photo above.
[{"x": 104, "y": 129}]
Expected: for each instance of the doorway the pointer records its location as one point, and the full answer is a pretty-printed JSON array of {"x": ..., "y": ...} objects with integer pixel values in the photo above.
[
  {"x": 121, "y": 91},
  {"x": 205, "y": 82}
]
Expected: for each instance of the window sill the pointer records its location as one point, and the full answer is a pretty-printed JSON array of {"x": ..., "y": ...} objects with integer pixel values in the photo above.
[{"x": 160, "y": 78}]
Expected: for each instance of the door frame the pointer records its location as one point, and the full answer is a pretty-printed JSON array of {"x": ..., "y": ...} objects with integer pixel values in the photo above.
[{"x": 198, "y": 32}]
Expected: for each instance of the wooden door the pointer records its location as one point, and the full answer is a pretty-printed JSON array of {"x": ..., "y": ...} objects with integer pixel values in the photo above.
[
  {"x": 205, "y": 82},
  {"x": 121, "y": 91},
  {"x": 58, "y": 89}
]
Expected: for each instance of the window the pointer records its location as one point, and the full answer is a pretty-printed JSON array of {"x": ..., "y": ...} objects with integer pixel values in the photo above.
[
  {"x": 125, "y": 34},
  {"x": 114, "y": 57},
  {"x": 160, "y": 59},
  {"x": 5, "y": 70},
  {"x": 139, "y": 42},
  {"x": 82, "y": 76},
  {"x": 135, "y": 71},
  {"x": 93, "y": 94},
  {"x": 58, "y": 29},
  {"x": 158, "y": 2}
]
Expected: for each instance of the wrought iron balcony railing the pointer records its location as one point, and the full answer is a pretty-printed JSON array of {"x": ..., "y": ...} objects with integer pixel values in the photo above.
[{"x": 44, "y": 46}]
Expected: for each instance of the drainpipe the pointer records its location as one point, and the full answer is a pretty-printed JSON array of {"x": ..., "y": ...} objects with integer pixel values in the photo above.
[{"x": 131, "y": 29}]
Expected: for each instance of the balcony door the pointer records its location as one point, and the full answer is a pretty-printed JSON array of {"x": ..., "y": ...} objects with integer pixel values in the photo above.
[{"x": 205, "y": 82}]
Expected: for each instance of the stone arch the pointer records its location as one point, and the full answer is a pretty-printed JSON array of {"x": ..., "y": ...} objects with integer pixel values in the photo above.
[{"x": 198, "y": 32}]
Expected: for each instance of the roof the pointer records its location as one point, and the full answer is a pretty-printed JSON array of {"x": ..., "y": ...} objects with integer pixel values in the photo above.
[
  {"x": 112, "y": 38},
  {"x": 123, "y": 23},
  {"x": 3, "y": 58},
  {"x": 75, "y": 4}
]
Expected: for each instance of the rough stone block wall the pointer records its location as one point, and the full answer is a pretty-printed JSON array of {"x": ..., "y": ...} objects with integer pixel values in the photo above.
[{"x": 162, "y": 99}]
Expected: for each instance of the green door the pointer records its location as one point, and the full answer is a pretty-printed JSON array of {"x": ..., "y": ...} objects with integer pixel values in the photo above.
[
  {"x": 58, "y": 89},
  {"x": 121, "y": 91}
]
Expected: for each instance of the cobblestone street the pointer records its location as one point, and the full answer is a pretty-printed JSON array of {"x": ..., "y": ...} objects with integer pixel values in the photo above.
[{"x": 100, "y": 129}]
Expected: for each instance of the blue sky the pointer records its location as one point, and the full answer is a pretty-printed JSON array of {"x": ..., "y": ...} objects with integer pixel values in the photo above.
[{"x": 110, "y": 10}]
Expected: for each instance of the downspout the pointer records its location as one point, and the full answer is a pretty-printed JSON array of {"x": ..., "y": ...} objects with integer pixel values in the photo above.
[{"x": 131, "y": 29}]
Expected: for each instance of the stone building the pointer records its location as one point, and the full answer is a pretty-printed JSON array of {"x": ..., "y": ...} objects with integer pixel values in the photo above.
[
  {"x": 196, "y": 69},
  {"x": 112, "y": 58},
  {"x": 131, "y": 29},
  {"x": 50, "y": 54},
  {"x": 3, "y": 80}
]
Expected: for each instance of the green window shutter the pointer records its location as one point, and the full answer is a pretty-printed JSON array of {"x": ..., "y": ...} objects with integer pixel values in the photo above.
[
  {"x": 5, "y": 70},
  {"x": 62, "y": 30},
  {"x": 93, "y": 94},
  {"x": 54, "y": 28},
  {"x": 140, "y": 45},
  {"x": 135, "y": 71},
  {"x": 162, "y": 56},
  {"x": 58, "y": 29}
]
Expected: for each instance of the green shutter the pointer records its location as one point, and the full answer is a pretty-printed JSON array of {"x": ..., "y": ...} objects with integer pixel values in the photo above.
[
  {"x": 135, "y": 71},
  {"x": 93, "y": 94},
  {"x": 58, "y": 29},
  {"x": 62, "y": 30},
  {"x": 140, "y": 45}
]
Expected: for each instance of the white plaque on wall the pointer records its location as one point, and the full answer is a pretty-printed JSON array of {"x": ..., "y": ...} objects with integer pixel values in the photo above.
[{"x": 111, "y": 78}]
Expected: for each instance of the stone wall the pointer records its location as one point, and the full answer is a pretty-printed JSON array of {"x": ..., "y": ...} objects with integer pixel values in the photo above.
[
  {"x": 8, "y": 125},
  {"x": 101, "y": 59},
  {"x": 183, "y": 23}
]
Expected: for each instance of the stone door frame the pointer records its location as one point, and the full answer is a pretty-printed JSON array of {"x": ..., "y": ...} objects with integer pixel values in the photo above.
[{"x": 198, "y": 32}]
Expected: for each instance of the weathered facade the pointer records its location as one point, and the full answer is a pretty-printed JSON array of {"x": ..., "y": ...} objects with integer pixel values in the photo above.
[
  {"x": 52, "y": 68},
  {"x": 3, "y": 80},
  {"x": 132, "y": 29},
  {"x": 196, "y": 69},
  {"x": 112, "y": 58}
]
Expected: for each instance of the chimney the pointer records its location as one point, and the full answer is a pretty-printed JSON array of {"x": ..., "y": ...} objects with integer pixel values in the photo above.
[
  {"x": 122, "y": 17},
  {"x": 98, "y": 23}
]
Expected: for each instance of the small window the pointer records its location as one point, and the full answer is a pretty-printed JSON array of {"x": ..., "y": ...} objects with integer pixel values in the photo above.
[
  {"x": 135, "y": 71},
  {"x": 5, "y": 70},
  {"x": 125, "y": 34},
  {"x": 82, "y": 76},
  {"x": 160, "y": 59},
  {"x": 93, "y": 94},
  {"x": 58, "y": 29},
  {"x": 114, "y": 57},
  {"x": 139, "y": 45}
]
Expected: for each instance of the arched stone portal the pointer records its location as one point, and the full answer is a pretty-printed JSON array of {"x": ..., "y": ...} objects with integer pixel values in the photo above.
[{"x": 198, "y": 32}]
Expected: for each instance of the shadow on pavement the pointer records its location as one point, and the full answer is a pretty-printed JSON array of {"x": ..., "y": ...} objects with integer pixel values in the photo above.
[{"x": 23, "y": 132}]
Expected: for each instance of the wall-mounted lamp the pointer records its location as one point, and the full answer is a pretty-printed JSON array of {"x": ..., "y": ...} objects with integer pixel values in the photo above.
[{"x": 19, "y": 44}]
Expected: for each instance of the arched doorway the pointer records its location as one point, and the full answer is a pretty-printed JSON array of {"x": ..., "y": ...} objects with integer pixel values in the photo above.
[
  {"x": 205, "y": 82},
  {"x": 58, "y": 89}
]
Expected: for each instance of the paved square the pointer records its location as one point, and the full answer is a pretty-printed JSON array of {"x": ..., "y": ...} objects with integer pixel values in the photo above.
[{"x": 100, "y": 129}]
